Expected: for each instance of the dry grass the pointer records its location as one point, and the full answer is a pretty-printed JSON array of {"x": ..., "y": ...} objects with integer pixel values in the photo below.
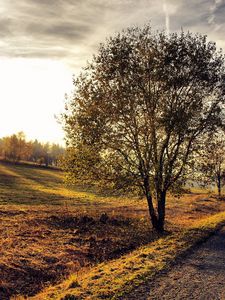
[
  {"x": 116, "y": 279},
  {"x": 49, "y": 231}
]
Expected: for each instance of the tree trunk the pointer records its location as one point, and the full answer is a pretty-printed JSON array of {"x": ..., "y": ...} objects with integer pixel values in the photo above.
[
  {"x": 151, "y": 209},
  {"x": 152, "y": 213},
  {"x": 219, "y": 185},
  {"x": 157, "y": 221},
  {"x": 161, "y": 211}
]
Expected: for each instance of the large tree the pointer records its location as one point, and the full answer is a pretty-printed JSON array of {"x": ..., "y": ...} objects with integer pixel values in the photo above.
[{"x": 139, "y": 110}]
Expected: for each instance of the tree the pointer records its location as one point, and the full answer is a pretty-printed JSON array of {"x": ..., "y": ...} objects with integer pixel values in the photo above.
[
  {"x": 11, "y": 147},
  {"x": 1, "y": 148},
  {"x": 37, "y": 151},
  {"x": 140, "y": 109},
  {"x": 15, "y": 147},
  {"x": 56, "y": 153},
  {"x": 211, "y": 163},
  {"x": 40, "y": 152},
  {"x": 23, "y": 147}
]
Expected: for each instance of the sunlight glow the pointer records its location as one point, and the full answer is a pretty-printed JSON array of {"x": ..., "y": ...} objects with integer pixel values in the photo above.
[{"x": 32, "y": 93}]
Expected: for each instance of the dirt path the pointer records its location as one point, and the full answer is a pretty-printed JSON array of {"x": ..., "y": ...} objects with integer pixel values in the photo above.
[{"x": 200, "y": 276}]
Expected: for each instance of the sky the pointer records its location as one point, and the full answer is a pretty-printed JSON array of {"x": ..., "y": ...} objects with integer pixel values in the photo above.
[{"x": 43, "y": 43}]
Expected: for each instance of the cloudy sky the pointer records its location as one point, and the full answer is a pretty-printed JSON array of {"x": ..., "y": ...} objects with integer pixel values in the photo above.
[{"x": 44, "y": 42}]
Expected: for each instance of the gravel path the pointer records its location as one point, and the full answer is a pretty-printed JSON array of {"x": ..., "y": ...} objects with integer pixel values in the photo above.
[{"x": 200, "y": 276}]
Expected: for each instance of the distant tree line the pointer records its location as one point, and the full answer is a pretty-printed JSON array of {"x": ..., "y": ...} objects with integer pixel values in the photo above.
[{"x": 16, "y": 148}]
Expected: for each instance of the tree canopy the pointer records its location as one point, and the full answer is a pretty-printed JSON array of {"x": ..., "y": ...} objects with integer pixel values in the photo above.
[{"x": 140, "y": 109}]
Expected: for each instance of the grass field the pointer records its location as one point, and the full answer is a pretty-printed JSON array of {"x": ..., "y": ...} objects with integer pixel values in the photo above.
[{"x": 49, "y": 230}]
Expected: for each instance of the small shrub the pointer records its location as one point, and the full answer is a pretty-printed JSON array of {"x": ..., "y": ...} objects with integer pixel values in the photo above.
[{"x": 104, "y": 218}]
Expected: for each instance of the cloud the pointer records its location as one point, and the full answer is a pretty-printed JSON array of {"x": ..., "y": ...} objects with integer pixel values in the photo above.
[
  {"x": 66, "y": 28},
  {"x": 71, "y": 30},
  {"x": 213, "y": 9}
]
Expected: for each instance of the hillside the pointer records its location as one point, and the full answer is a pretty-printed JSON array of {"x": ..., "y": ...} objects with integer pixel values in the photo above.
[{"x": 49, "y": 231}]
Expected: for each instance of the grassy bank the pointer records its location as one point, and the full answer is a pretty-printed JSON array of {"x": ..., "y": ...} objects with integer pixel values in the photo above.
[{"x": 115, "y": 279}]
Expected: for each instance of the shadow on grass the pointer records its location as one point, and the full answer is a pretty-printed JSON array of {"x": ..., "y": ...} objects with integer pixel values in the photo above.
[{"x": 22, "y": 184}]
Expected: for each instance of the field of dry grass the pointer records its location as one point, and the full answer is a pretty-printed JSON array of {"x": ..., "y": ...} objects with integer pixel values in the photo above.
[
  {"x": 121, "y": 278},
  {"x": 49, "y": 230}
]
